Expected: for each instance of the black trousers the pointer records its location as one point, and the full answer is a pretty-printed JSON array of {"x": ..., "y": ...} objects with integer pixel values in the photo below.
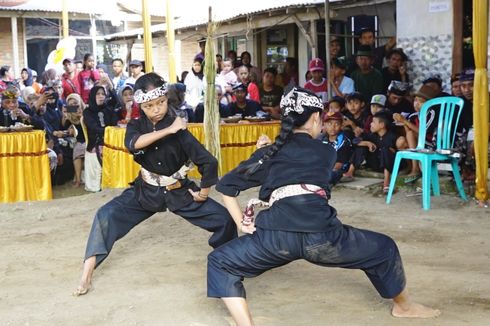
[
  {"x": 116, "y": 218},
  {"x": 347, "y": 247},
  {"x": 380, "y": 159}
]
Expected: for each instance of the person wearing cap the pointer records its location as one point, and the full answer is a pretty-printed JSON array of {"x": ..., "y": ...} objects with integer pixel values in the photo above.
[
  {"x": 244, "y": 106},
  {"x": 412, "y": 122},
  {"x": 135, "y": 71},
  {"x": 317, "y": 84},
  {"x": 163, "y": 147},
  {"x": 456, "y": 86},
  {"x": 367, "y": 37},
  {"x": 11, "y": 112},
  {"x": 299, "y": 223},
  {"x": 340, "y": 83},
  {"x": 396, "y": 68},
  {"x": 335, "y": 137},
  {"x": 69, "y": 79},
  {"x": 435, "y": 82},
  {"x": 202, "y": 47},
  {"x": 37, "y": 86},
  {"x": 377, "y": 104},
  {"x": 367, "y": 79},
  {"x": 466, "y": 80},
  {"x": 396, "y": 100},
  {"x": 87, "y": 77}
]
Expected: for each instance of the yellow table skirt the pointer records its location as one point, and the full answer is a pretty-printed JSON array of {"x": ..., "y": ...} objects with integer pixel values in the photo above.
[
  {"x": 24, "y": 167},
  {"x": 237, "y": 144}
]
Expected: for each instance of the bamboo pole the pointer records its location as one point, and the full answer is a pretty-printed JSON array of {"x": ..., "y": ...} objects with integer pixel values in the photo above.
[
  {"x": 147, "y": 37},
  {"x": 171, "y": 44},
  {"x": 64, "y": 17}
]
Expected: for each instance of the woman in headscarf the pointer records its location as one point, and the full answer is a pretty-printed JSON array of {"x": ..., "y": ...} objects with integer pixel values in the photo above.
[
  {"x": 195, "y": 84},
  {"x": 96, "y": 117},
  {"x": 294, "y": 174}
]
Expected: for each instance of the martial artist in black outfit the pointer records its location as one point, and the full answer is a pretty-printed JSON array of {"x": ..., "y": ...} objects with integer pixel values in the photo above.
[
  {"x": 162, "y": 146},
  {"x": 300, "y": 224}
]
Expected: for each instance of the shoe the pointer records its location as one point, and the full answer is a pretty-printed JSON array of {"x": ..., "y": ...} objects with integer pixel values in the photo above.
[
  {"x": 346, "y": 178},
  {"x": 411, "y": 178},
  {"x": 386, "y": 189}
]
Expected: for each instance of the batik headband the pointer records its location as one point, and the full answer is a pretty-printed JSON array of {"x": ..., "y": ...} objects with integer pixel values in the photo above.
[
  {"x": 298, "y": 100},
  {"x": 142, "y": 97},
  {"x": 7, "y": 94}
]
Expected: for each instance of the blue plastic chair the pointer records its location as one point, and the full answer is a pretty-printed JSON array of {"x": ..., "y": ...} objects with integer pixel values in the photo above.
[{"x": 449, "y": 112}]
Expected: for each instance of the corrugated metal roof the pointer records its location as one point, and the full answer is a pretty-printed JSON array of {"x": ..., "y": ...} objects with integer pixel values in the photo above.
[{"x": 97, "y": 7}]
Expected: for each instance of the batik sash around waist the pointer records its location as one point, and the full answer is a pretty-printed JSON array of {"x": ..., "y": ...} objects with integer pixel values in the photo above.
[
  {"x": 159, "y": 180},
  {"x": 281, "y": 193}
]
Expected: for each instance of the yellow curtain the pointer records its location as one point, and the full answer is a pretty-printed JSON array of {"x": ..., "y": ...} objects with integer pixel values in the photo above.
[
  {"x": 24, "y": 167},
  {"x": 237, "y": 144},
  {"x": 480, "y": 96}
]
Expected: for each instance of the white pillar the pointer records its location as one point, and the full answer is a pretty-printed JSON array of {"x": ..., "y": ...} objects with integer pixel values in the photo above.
[
  {"x": 93, "y": 34},
  {"x": 15, "y": 46},
  {"x": 26, "y": 60}
]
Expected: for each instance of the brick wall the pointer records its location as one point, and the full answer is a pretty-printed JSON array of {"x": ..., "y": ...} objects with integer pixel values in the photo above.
[{"x": 6, "y": 54}]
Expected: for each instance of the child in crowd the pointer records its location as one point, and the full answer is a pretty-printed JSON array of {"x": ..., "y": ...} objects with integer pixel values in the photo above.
[
  {"x": 378, "y": 147},
  {"x": 252, "y": 89},
  {"x": 129, "y": 109},
  {"x": 378, "y": 102},
  {"x": 333, "y": 135},
  {"x": 88, "y": 76},
  {"x": 411, "y": 125},
  {"x": 226, "y": 79},
  {"x": 336, "y": 104},
  {"x": 317, "y": 84},
  {"x": 356, "y": 115},
  {"x": 341, "y": 84}
]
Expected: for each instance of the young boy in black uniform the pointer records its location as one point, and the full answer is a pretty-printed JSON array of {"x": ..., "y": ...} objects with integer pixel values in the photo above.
[
  {"x": 294, "y": 175},
  {"x": 378, "y": 148},
  {"x": 163, "y": 147}
]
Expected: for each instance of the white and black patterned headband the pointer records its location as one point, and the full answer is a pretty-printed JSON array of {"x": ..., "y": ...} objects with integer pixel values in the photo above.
[
  {"x": 142, "y": 97},
  {"x": 298, "y": 100}
]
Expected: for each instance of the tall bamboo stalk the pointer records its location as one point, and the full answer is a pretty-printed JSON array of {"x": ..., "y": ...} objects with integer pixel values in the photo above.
[{"x": 211, "y": 108}]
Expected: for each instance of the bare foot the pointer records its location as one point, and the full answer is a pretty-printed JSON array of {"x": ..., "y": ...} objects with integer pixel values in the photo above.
[
  {"x": 82, "y": 289},
  {"x": 76, "y": 184},
  {"x": 414, "y": 310}
]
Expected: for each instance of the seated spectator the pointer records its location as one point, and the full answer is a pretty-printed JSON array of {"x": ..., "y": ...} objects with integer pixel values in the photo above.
[
  {"x": 74, "y": 108},
  {"x": 367, "y": 79},
  {"x": 378, "y": 102},
  {"x": 308, "y": 76},
  {"x": 244, "y": 106},
  {"x": 219, "y": 62},
  {"x": 336, "y": 104},
  {"x": 11, "y": 113},
  {"x": 397, "y": 101},
  {"x": 128, "y": 107},
  {"x": 396, "y": 69},
  {"x": 25, "y": 93},
  {"x": 223, "y": 109},
  {"x": 356, "y": 115},
  {"x": 232, "y": 56},
  {"x": 435, "y": 82},
  {"x": 226, "y": 79},
  {"x": 7, "y": 78},
  {"x": 270, "y": 94},
  {"x": 252, "y": 89},
  {"x": 456, "y": 86},
  {"x": 317, "y": 84},
  {"x": 96, "y": 117},
  {"x": 176, "y": 103},
  {"x": 412, "y": 123},
  {"x": 378, "y": 148},
  {"x": 333, "y": 135},
  {"x": 340, "y": 83},
  {"x": 246, "y": 59}
]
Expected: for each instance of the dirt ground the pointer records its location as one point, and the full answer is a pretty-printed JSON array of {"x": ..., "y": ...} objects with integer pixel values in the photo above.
[{"x": 156, "y": 275}]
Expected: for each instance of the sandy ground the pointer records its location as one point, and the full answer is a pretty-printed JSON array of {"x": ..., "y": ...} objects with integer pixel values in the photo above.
[{"x": 157, "y": 274}]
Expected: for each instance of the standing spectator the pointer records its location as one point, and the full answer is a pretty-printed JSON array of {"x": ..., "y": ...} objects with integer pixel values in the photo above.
[
  {"x": 246, "y": 59},
  {"x": 317, "y": 84},
  {"x": 219, "y": 62},
  {"x": 87, "y": 77},
  {"x": 202, "y": 47},
  {"x": 96, "y": 117},
  {"x": 435, "y": 82},
  {"x": 456, "y": 86},
  {"x": 252, "y": 89},
  {"x": 396, "y": 69},
  {"x": 6, "y": 77},
  {"x": 135, "y": 71},
  {"x": 69, "y": 80},
  {"x": 227, "y": 79},
  {"x": 270, "y": 94},
  {"x": 335, "y": 47},
  {"x": 78, "y": 66},
  {"x": 37, "y": 86},
  {"x": 367, "y": 79},
  {"x": 341, "y": 84},
  {"x": 74, "y": 102},
  {"x": 119, "y": 76},
  {"x": 25, "y": 78},
  {"x": 289, "y": 77},
  {"x": 367, "y": 38},
  {"x": 195, "y": 83},
  {"x": 232, "y": 55}
]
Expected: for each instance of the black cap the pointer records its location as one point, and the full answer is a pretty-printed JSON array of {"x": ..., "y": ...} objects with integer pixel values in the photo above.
[
  {"x": 136, "y": 63},
  {"x": 339, "y": 62},
  {"x": 240, "y": 86},
  {"x": 433, "y": 79}
]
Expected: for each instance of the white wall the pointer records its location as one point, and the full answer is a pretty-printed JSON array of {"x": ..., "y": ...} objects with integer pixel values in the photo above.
[{"x": 414, "y": 19}]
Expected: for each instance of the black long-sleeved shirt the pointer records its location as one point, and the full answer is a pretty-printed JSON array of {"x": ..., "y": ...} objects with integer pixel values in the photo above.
[
  {"x": 92, "y": 117},
  {"x": 165, "y": 157},
  {"x": 301, "y": 160},
  {"x": 6, "y": 120}
]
